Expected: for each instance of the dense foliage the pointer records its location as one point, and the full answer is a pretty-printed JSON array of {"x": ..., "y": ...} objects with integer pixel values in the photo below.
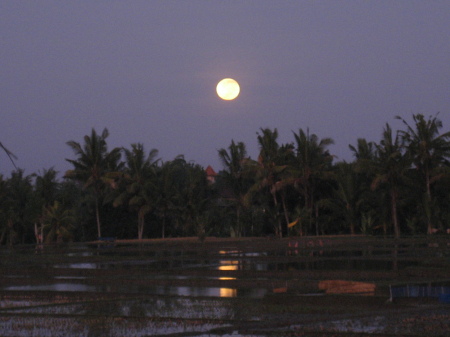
[{"x": 398, "y": 186}]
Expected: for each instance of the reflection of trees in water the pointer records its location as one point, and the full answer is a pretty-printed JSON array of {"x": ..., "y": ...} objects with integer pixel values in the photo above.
[{"x": 315, "y": 255}]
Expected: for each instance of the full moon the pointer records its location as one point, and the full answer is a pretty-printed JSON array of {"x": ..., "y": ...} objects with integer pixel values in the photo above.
[{"x": 228, "y": 89}]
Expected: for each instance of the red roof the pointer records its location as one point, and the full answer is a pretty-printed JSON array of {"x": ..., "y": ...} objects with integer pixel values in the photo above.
[{"x": 210, "y": 171}]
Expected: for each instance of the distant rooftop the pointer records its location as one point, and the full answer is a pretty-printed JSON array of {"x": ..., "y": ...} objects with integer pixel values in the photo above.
[{"x": 210, "y": 171}]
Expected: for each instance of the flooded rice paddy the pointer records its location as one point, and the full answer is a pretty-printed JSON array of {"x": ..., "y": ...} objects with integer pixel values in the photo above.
[{"x": 224, "y": 287}]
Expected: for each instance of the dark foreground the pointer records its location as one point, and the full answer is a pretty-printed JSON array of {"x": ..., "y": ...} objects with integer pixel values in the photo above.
[{"x": 329, "y": 286}]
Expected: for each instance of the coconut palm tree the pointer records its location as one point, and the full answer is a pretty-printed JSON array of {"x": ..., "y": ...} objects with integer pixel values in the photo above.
[
  {"x": 18, "y": 209},
  {"x": 364, "y": 150},
  {"x": 46, "y": 188},
  {"x": 182, "y": 190},
  {"x": 391, "y": 169},
  {"x": 313, "y": 168},
  {"x": 347, "y": 194},
  {"x": 270, "y": 175},
  {"x": 4, "y": 208},
  {"x": 364, "y": 168},
  {"x": 10, "y": 155},
  {"x": 94, "y": 166},
  {"x": 235, "y": 183},
  {"x": 58, "y": 223},
  {"x": 139, "y": 191},
  {"x": 193, "y": 193},
  {"x": 429, "y": 151},
  {"x": 233, "y": 159},
  {"x": 167, "y": 191}
]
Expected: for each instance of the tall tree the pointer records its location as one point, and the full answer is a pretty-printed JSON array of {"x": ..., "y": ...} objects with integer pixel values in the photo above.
[
  {"x": 347, "y": 194},
  {"x": 58, "y": 223},
  {"x": 45, "y": 193},
  {"x": 94, "y": 166},
  {"x": 195, "y": 196},
  {"x": 364, "y": 170},
  {"x": 183, "y": 197},
  {"x": 4, "y": 208},
  {"x": 364, "y": 150},
  {"x": 139, "y": 191},
  {"x": 429, "y": 151},
  {"x": 9, "y": 154},
  {"x": 18, "y": 208},
  {"x": 47, "y": 186},
  {"x": 168, "y": 193},
  {"x": 268, "y": 173},
  {"x": 391, "y": 170},
  {"x": 313, "y": 166},
  {"x": 234, "y": 181}
]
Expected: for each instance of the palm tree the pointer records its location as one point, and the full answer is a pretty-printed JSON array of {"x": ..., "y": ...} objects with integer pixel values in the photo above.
[
  {"x": 139, "y": 180},
  {"x": 167, "y": 191},
  {"x": 313, "y": 166},
  {"x": 233, "y": 160},
  {"x": 347, "y": 193},
  {"x": 364, "y": 170},
  {"x": 45, "y": 190},
  {"x": 9, "y": 154},
  {"x": 391, "y": 167},
  {"x": 429, "y": 151},
  {"x": 183, "y": 198},
  {"x": 4, "y": 208},
  {"x": 364, "y": 150},
  {"x": 94, "y": 166},
  {"x": 193, "y": 195},
  {"x": 46, "y": 186},
  {"x": 58, "y": 223},
  {"x": 233, "y": 177},
  {"x": 18, "y": 210},
  {"x": 268, "y": 172}
]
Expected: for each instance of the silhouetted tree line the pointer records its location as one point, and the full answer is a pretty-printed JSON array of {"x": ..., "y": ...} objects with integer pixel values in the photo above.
[{"x": 398, "y": 186}]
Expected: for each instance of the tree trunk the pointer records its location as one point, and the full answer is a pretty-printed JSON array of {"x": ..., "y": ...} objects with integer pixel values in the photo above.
[
  {"x": 316, "y": 209},
  {"x": 238, "y": 222},
  {"x": 394, "y": 213},
  {"x": 141, "y": 222},
  {"x": 428, "y": 201},
  {"x": 278, "y": 228},
  {"x": 352, "y": 223},
  {"x": 2, "y": 237},
  {"x": 39, "y": 233},
  {"x": 286, "y": 216},
  {"x": 11, "y": 232},
  {"x": 307, "y": 207},
  {"x": 97, "y": 214}
]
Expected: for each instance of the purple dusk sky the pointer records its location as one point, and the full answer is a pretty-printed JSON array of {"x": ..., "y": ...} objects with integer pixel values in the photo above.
[{"x": 147, "y": 71}]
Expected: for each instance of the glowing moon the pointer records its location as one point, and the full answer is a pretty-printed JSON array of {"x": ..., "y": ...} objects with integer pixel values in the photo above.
[{"x": 228, "y": 89}]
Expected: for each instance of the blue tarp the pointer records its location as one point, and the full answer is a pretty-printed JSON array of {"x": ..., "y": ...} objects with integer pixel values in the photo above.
[
  {"x": 444, "y": 298},
  {"x": 419, "y": 291}
]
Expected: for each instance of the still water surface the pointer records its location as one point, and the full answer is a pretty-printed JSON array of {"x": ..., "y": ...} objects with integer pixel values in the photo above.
[{"x": 65, "y": 270}]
